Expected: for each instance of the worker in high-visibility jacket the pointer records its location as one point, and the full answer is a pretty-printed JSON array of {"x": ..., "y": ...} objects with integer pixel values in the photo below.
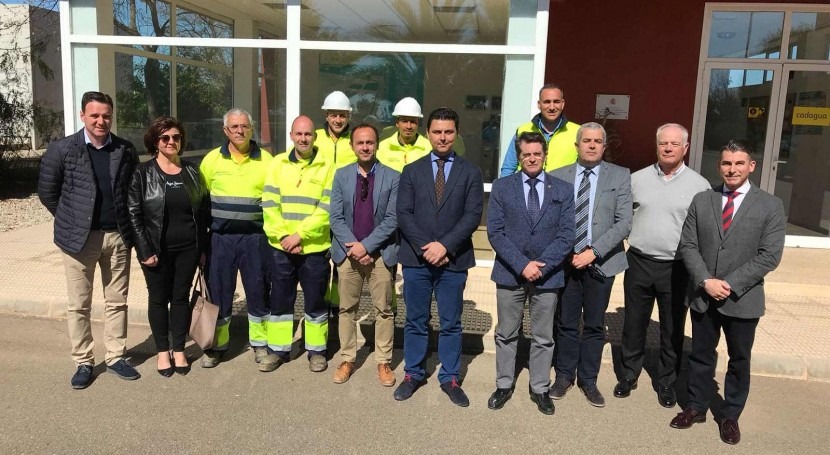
[
  {"x": 554, "y": 126},
  {"x": 407, "y": 144},
  {"x": 295, "y": 206},
  {"x": 333, "y": 139},
  {"x": 235, "y": 175}
]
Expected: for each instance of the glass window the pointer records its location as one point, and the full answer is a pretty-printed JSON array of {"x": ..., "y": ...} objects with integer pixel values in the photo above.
[
  {"x": 469, "y": 84},
  {"x": 810, "y": 36},
  {"x": 203, "y": 95},
  {"x": 271, "y": 100},
  {"x": 194, "y": 25},
  {"x": 735, "y": 34},
  {"x": 142, "y": 94},
  {"x": 142, "y": 18},
  {"x": 437, "y": 21}
]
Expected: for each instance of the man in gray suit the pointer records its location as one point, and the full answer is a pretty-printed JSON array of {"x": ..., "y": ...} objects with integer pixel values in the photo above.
[
  {"x": 731, "y": 239},
  {"x": 364, "y": 246},
  {"x": 602, "y": 192},
  {"x": 531, "y": 229}
]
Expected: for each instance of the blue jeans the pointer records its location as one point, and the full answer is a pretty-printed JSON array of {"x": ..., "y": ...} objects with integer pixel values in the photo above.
[{"x": 418, "y": 286}]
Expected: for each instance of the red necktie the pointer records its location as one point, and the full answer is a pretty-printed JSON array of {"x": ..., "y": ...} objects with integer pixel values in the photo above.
[{"x": 729, "y": 209}]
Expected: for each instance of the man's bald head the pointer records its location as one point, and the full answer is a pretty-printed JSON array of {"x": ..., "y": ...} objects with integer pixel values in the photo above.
[{"x": 302, "y": 135}]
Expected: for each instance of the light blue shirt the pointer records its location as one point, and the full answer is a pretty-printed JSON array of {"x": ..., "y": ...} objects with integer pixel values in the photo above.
[
  {"x": 592, "y": 177},
  {"x": 447, "y": 165},
  {"x": 540, "y": 187},
  {"x": 89, "y": 141},
  {"x": 511, "y": 162}
]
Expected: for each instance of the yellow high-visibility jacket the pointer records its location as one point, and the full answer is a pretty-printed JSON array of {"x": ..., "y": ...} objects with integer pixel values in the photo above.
[
  {"x": 339, "y": 151},
  {"x": 392, "y": 154}
]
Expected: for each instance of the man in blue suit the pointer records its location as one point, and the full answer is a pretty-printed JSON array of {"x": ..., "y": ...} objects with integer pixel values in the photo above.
[
  {"x": 530, "y": 224},
  {"x": 440, "y": 200},
  {"x": 364, "y": 246}
]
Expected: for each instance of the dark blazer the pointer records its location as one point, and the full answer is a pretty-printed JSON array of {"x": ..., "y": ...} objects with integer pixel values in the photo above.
[
  {"x": 67, "y": 185},
  {"x": 612, "y": 215},
  {"x": 452, "y": 222},
  {"x": 146, "y": 206},
  {"x": 751, "y": 248},
  {"x": 384, "y": 236},
  {"x": 517, "y": 240}
]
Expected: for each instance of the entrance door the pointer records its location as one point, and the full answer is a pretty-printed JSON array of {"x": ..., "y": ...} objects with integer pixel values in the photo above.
[{"x": 800, "y": 170}]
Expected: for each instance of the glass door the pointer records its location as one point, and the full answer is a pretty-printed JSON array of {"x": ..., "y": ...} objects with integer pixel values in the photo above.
[{"x": 800, "y": 168}]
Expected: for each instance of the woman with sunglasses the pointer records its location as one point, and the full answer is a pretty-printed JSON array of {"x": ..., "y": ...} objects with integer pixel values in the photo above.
[{"x": 169, "y": 213}]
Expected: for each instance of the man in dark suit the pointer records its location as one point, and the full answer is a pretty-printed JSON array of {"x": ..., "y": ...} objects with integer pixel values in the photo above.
[
  {"x": 440, "y": 200},
  {"x": 364, "y": 246},
  {"x": 602, "y": 192},
  {"x": 531, "y": 229},
  {"x": 731, "y": 239}
]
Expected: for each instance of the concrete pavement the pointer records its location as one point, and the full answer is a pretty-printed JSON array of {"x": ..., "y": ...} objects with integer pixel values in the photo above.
[{"x": 236, "y": 409}]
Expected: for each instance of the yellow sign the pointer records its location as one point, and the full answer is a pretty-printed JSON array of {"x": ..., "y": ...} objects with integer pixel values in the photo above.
[
  {"x": 814, "y": 116},
  {"x": 755, "y": 112}
]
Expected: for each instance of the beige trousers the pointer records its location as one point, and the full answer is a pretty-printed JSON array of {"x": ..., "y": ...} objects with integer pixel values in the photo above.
[
  {"x": 351, "y": 275},
  {"x": 107, "y": 250}
]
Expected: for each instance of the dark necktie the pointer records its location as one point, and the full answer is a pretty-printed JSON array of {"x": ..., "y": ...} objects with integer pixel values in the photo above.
[
  {"x": 582, "y": 206},
  {"x": 440, "y": 181},
  {"x": 533, "y": 200},
  {"x": 729, "y": 209}
]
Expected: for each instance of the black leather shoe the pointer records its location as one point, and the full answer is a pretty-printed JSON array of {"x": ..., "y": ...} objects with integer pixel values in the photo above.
[
  {"x": 666, "y": 397},
  {"x": 730, "y": 432},
  {"x": 499, "y": 398},
  {"x": 559, "y": 388},
  {"x": 82, "y": 378},
  {"x": 543, "y": 402},
  {"x": 456, "y": 394},
  {"x": 623, "y": 388},
  {"x": 687, "y": 418},
  {"x": 406, "y": 388}
]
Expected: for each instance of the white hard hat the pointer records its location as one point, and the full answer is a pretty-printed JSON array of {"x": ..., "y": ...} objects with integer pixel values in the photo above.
[
  {"x": 337, "y": 101},
  {"x": 408, "y": 107}
]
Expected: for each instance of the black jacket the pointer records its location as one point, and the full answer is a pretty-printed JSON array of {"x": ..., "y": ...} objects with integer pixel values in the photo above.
[
  {"x": 146, "y": 206},
  {"x": 67, "y": 188}
]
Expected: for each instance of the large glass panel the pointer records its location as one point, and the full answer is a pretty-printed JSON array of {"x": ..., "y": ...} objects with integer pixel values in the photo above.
[
  {"x": 735, "y": 34},
  {"x": 271, "y": 100},
  {"x": 142, "y": 18},
  {"x": 810, "y": 36},
  {"x": 142, "y": 93},
  {"x": 203, "y": 95},
  {"x": 737, "y": 109},
  {"x": 470, "y": 84},
  {"x": 436, "y": 21},
  {"x": 802, "y": 178},
  {"x": 194, "y": 25}
]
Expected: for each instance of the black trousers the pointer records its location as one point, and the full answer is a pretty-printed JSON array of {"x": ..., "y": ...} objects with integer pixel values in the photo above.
[
  {"x": 168, "y": 283},
  {"x": 585, "y": 299},
  {"x": 740, "y": 336},
  {"x": 646, "y": 280}
]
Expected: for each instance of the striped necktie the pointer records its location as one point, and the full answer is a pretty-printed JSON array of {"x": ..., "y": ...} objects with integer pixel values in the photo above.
[
  {"x": 582, "y": 206},
  {"x": 729, "y": 209}
]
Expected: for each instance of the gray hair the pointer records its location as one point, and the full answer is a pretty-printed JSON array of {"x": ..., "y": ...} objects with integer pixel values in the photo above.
[
  {"x": 591, "y": 126},
  {"x": 551, "y": 86},
  {"x": 237, "y": 111},
  {"x": 683, "y": 131}
]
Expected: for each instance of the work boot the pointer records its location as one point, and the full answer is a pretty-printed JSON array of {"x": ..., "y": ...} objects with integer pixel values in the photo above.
[
  {"x": 259, "y": 353},
  {"x": 270, "y": 363},
  {"x": 211, "y": 358},
  {"x": 317, "y": 363}
]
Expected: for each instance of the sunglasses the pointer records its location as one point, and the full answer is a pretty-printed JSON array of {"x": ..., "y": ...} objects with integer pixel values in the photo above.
[{"x": 169, "y": 137}]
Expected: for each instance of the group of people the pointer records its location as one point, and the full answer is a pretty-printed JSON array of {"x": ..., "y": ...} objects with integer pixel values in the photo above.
[{"x": 556, "y": 219}]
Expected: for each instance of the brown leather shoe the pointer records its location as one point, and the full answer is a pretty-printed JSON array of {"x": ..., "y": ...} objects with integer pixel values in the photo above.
[
  {"x": 687, "y": 418},
  {"x": 730, "y": 433},
  {"x": 343, "y": 372},
  {"x": 385, "y": 374}
]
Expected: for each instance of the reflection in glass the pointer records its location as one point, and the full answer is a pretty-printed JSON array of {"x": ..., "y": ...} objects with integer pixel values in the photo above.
[
  {"x": 735, "y": 110},
  {"x": 407, "y": 21},
  {"x": 376, "y": 82},
  {"x": 195, "y": 25},
  {"x": 270, "y": 115},
  {"x": 203, "y": 95},
  {"x": 735, "y": 34},
  {"x": 142, "y": 93},
  {"x": 142, "y": 18},
  {"x": 810, "y": 36}
]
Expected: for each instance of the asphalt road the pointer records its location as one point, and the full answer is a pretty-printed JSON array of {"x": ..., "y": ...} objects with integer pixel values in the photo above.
[{"x": 236, "y": 409}]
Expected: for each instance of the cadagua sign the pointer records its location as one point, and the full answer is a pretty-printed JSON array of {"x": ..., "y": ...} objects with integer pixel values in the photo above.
[{"x": 813, "y": 116}]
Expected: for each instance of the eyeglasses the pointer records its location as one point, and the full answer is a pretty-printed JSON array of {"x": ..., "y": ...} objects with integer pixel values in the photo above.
[
  {"x": 169, "y": 137},
  {"x": 238, "y": 127},
  {"x": 364, "y": 187}
]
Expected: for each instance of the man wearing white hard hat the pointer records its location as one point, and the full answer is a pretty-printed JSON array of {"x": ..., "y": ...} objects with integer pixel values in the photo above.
[
  {"x": 333, "y": 139},
  {"x": 406, "y": 145}
]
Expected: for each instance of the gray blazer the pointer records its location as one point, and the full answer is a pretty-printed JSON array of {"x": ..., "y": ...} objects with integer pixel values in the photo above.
[
  {"x": 742, "y": 257},
  {"x": 611, "y": 220},
  {"x": 384, "y": 237}
]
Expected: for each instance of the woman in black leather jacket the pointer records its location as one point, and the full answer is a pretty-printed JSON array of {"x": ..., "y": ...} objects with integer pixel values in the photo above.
[{"x": 169, "y": 209}]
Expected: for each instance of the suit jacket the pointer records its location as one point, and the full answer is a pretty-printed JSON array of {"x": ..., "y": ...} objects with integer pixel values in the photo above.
[
  {"x": 517, "y": 239},
  {"x": 612, "y": 214},
  {"x": 451, "y": 222},
  {"x": 384, "y": 236},
  {"x": 751, "y": 248}
]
